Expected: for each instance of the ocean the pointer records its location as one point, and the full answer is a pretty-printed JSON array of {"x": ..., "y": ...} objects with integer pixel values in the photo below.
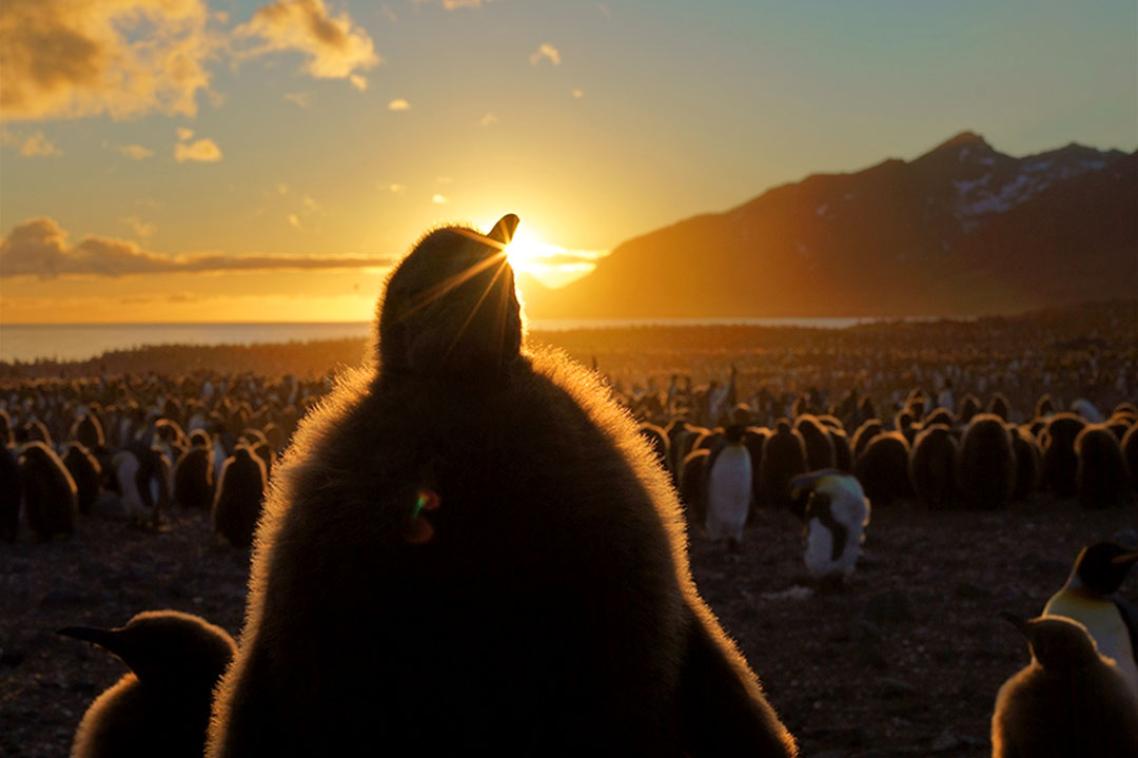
[{"x": 29, "y": 342}]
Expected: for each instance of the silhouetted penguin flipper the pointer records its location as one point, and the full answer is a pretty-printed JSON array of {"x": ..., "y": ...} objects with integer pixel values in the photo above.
[{"x": 723, "y": 711}]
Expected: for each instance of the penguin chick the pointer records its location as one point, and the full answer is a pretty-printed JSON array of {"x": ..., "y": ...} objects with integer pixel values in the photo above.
[
  {"x": 162, "y": 706},
  {"x": 1090, "y": 597},
  {"x": 1068, "y": 701}
]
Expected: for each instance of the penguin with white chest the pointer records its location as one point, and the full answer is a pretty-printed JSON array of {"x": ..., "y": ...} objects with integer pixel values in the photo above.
[
  {"x": 1090, "y": 597},
  {"x": 408, "y": 599},
  {"x": 729, "y": 487},
  {"x": 837, "y": 514}
]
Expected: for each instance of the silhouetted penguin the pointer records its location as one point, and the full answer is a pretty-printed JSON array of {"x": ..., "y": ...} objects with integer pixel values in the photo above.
[
  {"x": 681, "y": 435},
  {"x": 124, "y": 473},
  {"x": 162, "y": 708},
  {"x": 883, "y": 469},
  {"x": 1044, "y": 407},
  {"x": 903, "y": 423},
  {"x": 5, "y": 429},
  {"x": 88, "y": 432},
  {"x": 998, "y": 405},
  {"x": 1090, "y": 597},
  {"x": 755, "y": 438},
  {"x": 34, "y": 430},
  {"x": 50, "y": 502},
  {"x": 1068, "y": 701},
  {"x": 863, "y": 434},
  {"x": 86, "y": 473},
  {"x": 240, "y": 494},
  {"x": 11, "y": 494},
  {"x": 986, "y": 464},
  {"x": 941, "y": 416},
  {"x": 1060, "y": 462},
  {"x": 819, "y": 446},
  {"x": 843, "y": 453},
  {"x": 932, "y": 468},
  {"x": 969, "y": 407},
  {"x": 784, "y": 457},
  {"x": 837, "y": 512},
  {"x": 468, "y": 549},
  {"x": 1029, "y": 463},
  {"x": 1101, "y": 476},
  {"x": 693, "y": 491},
  {"x": 193, "y": 479},
  {"x": 1130, "y": 454},
  {"x": 729, "y": 487}
]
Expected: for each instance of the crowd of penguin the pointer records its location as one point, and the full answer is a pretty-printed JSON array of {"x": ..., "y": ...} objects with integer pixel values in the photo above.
[
  {"x": 132, "y": 448},
  {"x": 551, "y": 611}
]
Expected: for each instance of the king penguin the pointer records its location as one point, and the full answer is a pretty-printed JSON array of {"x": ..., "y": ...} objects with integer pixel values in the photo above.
[
  {"x": 468, "y": 549},
  {"x": 1068, "y": 701},
  {"x": 162, "y": 707},
  {"x": 1089, "y": 597},
  {"x": 837, "y": 513},
  {"x": 729, "y": 486}
]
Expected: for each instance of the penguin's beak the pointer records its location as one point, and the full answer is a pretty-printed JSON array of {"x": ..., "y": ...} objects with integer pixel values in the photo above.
[
  {"x": 1126, "y": 559},
  {"x": 105, "y": 638}
]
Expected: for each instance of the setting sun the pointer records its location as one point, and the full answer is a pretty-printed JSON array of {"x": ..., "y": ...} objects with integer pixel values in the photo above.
[{"x": 552, "y": 265}]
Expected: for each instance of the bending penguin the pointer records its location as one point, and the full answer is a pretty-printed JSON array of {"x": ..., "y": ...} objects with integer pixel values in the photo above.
[
  {"x": 1090, "y": 597},
  {"x": 401, "y": 582},
  {"x": 1068, "y": 701},
  {"x": 162, "y": 707},
  {"x": 837, "y": 513}
]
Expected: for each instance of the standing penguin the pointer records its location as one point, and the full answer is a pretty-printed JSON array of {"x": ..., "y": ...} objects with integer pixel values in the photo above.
[
  {"x": 837, "y": 513},
  {"x": 1060, "y": 461},
  {"x": 729, "y": 487},
  {"x": 1101, "y": 475},
  {"x": 50, "y": 496},
  {"x": 1068, "y": 701},
  {"x": 162, "y": 707},
  {"x": 883, "y": 469},
  {"x": 401, "y": 582},
  {"x": 85, "y": 470},
  {"x": 11, "y": 493},
  {"x": 986, "y": 463},
  {"x": 1090, "y": 597},
  {"x": 240, "y": 493},
  {"x": 819, "y": 446},
  {"x": 193, "y": 479},
  {"x": 932, "y": 463},
  {"x": 784, "y": 457}
]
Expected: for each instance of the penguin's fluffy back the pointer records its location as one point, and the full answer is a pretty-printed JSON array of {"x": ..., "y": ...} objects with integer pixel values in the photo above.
[{"x": 316, "y": 463}]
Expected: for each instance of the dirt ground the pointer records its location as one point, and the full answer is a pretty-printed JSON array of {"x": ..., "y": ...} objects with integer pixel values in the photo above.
[{"x": 905, "y": 661}]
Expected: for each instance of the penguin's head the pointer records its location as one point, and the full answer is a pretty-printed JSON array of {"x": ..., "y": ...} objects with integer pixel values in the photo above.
[
  {"x": 1102, "y": 568},
  {"x": 450, "y": 310},
  {"x": 1057, "y": 642},
  {"x": 165, "y": 647}
]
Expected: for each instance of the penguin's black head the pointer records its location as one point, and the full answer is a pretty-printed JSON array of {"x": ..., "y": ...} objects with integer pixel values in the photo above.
[
  {"x": 450, "y": 309},
  {"x": 1102, "y": 567},
  {"x": 165, "y": 647},
  {"x": 1057, "y": 643}
]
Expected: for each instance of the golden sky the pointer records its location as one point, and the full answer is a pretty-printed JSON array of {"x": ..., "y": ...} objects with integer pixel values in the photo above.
[{"x": 253, "y": 160}]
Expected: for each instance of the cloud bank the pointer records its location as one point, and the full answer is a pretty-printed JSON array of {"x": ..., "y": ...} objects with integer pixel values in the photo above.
[
  {"x": 122, "y": 58},
  {"x": 40, "y": 247},
  {"x": 336, "y": 47}
]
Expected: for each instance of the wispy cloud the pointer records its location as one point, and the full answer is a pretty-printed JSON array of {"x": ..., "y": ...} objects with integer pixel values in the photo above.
[
  {"x": 336, "y": 47},
  {"x": 399, "y": 104},
  {"x": 197, "y": 151},
  {"x": 39, "y": 247},
  {"x": 439, "y": 199},
  {"x": 577, "y": 93},
  {"x": 451, "y": 5},
  {"x": 136, "y": 152},
  {"x": 299, "y": 99},
  {"x": 35, "y": 145},
  {"x": 545, "y": 52},
  {"x": 141, "y": 229},
  {"x": 488, "y": 120},
  {"x": 75, "y": 58}
]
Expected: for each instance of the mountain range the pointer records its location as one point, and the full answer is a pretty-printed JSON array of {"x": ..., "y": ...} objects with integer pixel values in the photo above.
[{"x": 961, "y": 230}]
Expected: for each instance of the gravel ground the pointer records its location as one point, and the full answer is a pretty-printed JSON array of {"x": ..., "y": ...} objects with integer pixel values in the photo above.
[{"x": 906, "y": 660}]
